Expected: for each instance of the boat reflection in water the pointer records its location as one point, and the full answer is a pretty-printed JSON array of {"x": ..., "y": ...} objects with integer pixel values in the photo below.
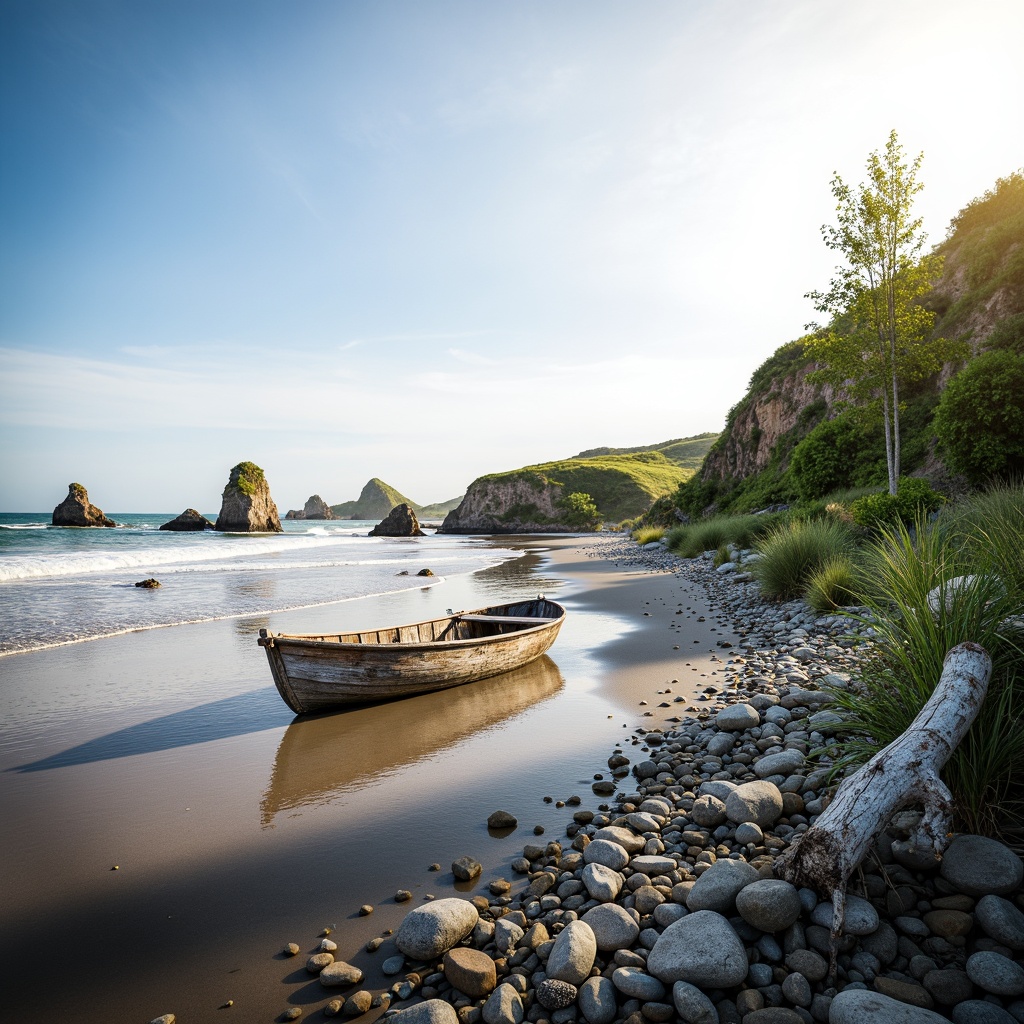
[{"x": 322, "y": 757}]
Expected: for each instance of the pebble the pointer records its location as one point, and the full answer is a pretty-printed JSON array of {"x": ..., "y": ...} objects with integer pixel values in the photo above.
[
  {"x": 1001, "y": 920},
  {"x": 430, "y": 1011},
  {"x": 466, "y": 868},
  {"x": 471, "y": 971},
  {"x": 505, "y": 1006},
  {"x": 980, "y": 866},
  {"x": 339, "y": 973},
  {"x": 996, "y": 973}
]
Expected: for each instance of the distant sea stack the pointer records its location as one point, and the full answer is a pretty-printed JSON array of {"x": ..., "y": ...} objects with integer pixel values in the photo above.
[
  {"x": 77, "y": 510},
  {"x": 246, "y": 504},
  {"x": 315, "y": 508},
  {"x": 189, "y": 520},
  {"x": 401, "y": 521}
]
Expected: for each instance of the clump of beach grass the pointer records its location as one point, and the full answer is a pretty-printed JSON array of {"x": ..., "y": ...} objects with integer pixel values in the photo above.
[
  {"x": 792, "y": 553},
  {"x": 692, "y": 539},
  {"x": 833, "y": 584},
  {"x": 648, "y": 534},
  {"x": 924, "y": 594}
]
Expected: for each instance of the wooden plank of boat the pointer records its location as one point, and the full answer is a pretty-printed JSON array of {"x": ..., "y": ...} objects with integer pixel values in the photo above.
[{"x": 316, "y": 672}]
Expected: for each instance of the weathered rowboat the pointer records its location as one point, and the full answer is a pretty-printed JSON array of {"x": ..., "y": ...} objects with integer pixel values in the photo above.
[{"x": 320, "y": 672}]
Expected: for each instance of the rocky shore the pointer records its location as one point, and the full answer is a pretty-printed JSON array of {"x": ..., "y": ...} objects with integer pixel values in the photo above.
[{"x": 662, "y": 903}]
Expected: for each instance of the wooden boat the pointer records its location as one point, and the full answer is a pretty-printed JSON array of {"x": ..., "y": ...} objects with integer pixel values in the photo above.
[{"x": 321, "y": 672}]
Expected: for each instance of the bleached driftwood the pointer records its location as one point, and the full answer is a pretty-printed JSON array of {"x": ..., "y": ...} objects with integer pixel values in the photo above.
[{"x": 903, "y": 774}]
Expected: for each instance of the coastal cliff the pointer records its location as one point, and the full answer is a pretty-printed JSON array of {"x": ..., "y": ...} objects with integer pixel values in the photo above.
[
  {"x": 978, "y": 298},
  {"x": 508, "y": 503}
]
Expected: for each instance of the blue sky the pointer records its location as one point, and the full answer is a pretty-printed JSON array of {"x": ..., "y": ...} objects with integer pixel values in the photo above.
[{"x": 430, "y": 240}]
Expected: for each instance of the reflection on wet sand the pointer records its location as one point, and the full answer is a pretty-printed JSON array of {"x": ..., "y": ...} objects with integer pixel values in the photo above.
[{"x": 322, "y": 757}]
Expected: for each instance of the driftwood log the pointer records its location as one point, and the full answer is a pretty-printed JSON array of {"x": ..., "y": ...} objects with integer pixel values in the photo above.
[{"x": 903, "y": 774}]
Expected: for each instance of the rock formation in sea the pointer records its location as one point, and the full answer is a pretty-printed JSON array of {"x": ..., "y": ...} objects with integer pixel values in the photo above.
[
  {"x": 246, "y": 504},
  {"x": 315, "y": 508},
  {"x": 190, "y": 519},
  {"x": 77, "y": 510},
  {"x": 401, "y": 521}
]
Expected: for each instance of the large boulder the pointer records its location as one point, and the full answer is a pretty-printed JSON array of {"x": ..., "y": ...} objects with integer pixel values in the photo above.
[
  {"x": 189, "y": 520},
  {"x": 315, "y": 508},
  {"x": 246, "y": 504},
  {"x": 431, "y": 930},
  {"x": 77, "y": 510},
  {"x": 401, "y": 521}
]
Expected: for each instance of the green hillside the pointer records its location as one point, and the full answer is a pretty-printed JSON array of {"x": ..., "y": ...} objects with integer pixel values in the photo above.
[
  {"x": 622, "y": 486},
  {"x": 375, "y": 501},
  {"x": 439, "y": 509},
  {"x": 687, "y": 452}
]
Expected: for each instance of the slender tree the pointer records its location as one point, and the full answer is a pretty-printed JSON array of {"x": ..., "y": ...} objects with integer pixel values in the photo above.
[{"x": 878, "y": 338}]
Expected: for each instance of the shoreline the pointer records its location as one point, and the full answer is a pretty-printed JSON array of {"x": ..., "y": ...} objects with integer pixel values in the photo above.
[{"x": 216, "y": 872}]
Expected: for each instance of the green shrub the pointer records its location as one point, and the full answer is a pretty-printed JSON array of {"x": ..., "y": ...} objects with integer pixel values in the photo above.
[
  {"x": 913, "y": 496},
  {"x": 792, "y": 552},
  {"x": 904, "y": 661},
  {"x": 833, "y": 585},
  {"x": 579, "y": 510},
  {"x": 980, "y": 418},
  {"x": 821, "y": 461}
]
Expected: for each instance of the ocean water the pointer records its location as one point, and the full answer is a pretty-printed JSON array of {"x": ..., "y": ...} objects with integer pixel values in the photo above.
[{"x": 62, "y": 585}]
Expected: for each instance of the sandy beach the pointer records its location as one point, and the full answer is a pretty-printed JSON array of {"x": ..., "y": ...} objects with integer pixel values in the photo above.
[{"x": 168, "y": 755}]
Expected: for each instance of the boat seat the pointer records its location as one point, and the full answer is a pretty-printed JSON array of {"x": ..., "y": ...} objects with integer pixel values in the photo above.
[{"x": 532, "y": 620}]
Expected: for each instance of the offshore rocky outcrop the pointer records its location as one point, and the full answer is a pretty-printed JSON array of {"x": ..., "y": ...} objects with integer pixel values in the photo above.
[
  {"x": 512, "y": 503},
  {"x": 246, "y": 504},
  {"x": 77, "y": 510},
  {"x": 401, "y": 521},
  {"x": 315, "y": 508},
  {"x": 189, "y": 521}
]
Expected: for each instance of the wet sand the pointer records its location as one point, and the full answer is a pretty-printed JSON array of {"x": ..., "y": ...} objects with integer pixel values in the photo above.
[{"x": 236, "y": 828}]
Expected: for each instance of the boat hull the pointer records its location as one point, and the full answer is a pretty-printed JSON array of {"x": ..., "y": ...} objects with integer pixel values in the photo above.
[{"x": 320, "y": 673}]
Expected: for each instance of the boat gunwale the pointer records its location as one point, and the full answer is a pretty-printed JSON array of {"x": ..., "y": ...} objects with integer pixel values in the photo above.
[{"x": 316, "y": 639}]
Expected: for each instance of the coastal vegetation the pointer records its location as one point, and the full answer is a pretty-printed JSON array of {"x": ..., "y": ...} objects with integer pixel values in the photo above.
[{"x": 800, "y": 432}]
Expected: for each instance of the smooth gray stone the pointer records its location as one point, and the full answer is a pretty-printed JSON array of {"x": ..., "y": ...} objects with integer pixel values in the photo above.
[
  {"x": 759, "y": 802},
  {"x": 503, "y": 1006},
  {"x": 769, "y": 904},
  {"x": 628, "y": 840},
  {"x": 572, "y": 954},
  {"x": 651, "y": 864},
  {"x": 859, "y": 1006},
  {"x": 597, "y": 1000},
  {"x": 748, "y": 832},
  {"x": 638, "y": 984},
  {"x": 978, "y": 1011},
  {"x": 787, "y": 762},
  {"x": 506, "y": 935},
  {"x": 612, "y": 925},
  {"x": 702, "y": 948},
  {"x": 708, "y": 811},
  {"x": 996, "y": 973},
  {"x": 602, "y": 883},
  {"x": 1001, "y": 920},
  {"x": 692, "y": 1005},
  {"x": 979, "y": 866},
  {"x": 718, "y": 788},
  {"x": 429, "y": 931},
  {"x": 668, "y": 913},
  {"x": 430, "y": 1011},
  {"x": 861, "y": 917},
  {"x": 604, "y": 851},
  {"x": 737, "y": 718},
  {"x": 717, "y": 887}
]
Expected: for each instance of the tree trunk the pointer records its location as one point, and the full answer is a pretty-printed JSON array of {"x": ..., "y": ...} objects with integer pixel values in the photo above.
[{"x": 904, "y": 773}]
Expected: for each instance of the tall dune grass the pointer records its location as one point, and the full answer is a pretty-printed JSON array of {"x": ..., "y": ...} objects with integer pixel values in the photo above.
[{"x": 792, "y": 552}]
